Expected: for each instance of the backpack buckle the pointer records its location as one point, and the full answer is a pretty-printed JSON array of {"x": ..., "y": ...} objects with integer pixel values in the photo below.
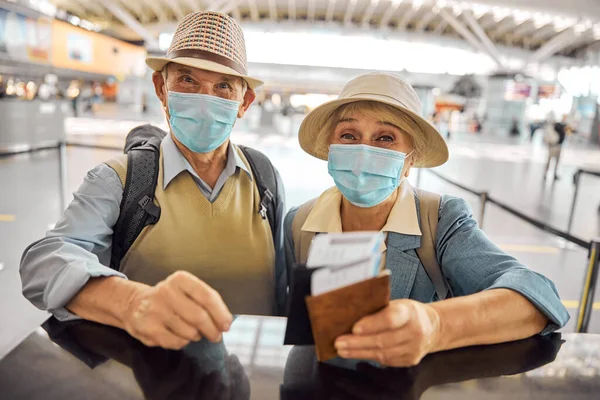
[
  {"x": 267, "y": 198},
  {"x": 150, "y": 208},
  {"x": 268, "y": 195},
  {"x": 263, "y": 211}
]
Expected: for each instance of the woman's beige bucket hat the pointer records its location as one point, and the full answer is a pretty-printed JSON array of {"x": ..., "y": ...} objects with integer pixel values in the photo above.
[
  {"x": 210, "y": 41},
  {"x": 384, "y": 88}
]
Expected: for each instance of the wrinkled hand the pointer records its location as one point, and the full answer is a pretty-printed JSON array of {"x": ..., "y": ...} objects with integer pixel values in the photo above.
[
  {"x": 176, "y": 311},
  {"x": 400, "y": 335}
]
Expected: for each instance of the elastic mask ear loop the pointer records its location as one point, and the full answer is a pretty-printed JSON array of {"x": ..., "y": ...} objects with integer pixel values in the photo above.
[
  {"x": 165, "y": 107},
  {"x": 406, "y": 158},
  {"x": 164, "y": 74}
]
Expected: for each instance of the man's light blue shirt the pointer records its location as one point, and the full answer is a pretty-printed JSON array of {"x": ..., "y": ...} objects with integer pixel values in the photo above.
[
  {"x": 55, "y": 268},
  {"x": 175, "y": 163}
]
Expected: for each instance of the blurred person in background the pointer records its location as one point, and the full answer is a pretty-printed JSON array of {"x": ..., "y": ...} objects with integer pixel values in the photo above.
[
  {"x": 555, "y": 137},
  {"x": 97, "y": 95},
  {"x": 371, "y": 137},
  {"x": 441, "y": 120},
  {"x": 74, "y": 93},
  {"x": 475, "y": 125},
  {"x": 87, "y": 95},
  {"x": 110, "y": 89},
  {"x": 213, "y": 248},
  {"x": 514, "y": 128},
  {"x": 3, "y": 84},
  {"x": 435, "y": 117},
  {"x": 144, "y": 103},
  {"x": 533, "y": 127}
]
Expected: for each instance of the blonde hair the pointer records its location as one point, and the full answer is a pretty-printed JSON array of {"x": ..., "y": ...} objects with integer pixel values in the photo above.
[{"x": 381, "y": 112}]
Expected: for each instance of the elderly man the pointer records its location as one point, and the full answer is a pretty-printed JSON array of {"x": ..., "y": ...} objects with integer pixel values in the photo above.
[{"x": 212, "y": 249}]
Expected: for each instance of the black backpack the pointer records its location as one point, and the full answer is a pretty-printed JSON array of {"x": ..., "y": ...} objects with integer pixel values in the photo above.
[{"x": 138, "y": 209}]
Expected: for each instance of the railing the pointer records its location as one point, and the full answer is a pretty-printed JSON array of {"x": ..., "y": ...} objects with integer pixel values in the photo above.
[
  {"x": 576, "y": 180},
  {"x": 589, "y": 288},
  {"x": 591, "y": 276}
]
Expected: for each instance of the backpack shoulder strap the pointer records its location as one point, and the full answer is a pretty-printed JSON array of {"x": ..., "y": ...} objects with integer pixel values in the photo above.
[
  {"x": 119, "y": 165},
  {"x": 266, "y": 180},
  {"x": 137, "y": 208},
  {"x": 302, "y": 239},
  {"x": 429, "y": 208}
]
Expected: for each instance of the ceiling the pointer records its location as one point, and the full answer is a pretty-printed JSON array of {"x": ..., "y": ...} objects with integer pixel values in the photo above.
[{"x": 545, "y": 27}]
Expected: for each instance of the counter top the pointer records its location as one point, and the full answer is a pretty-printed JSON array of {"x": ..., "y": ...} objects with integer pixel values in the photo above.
[{"x": 83, "y": 360}]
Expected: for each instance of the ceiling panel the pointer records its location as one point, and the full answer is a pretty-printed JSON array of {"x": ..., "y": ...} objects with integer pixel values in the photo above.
[{"x": 531, "y": 26}]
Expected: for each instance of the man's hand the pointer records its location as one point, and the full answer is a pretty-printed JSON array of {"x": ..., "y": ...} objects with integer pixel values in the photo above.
[
  {"x": 175, "y": 312},
  {"x": 400, "y": 335}
]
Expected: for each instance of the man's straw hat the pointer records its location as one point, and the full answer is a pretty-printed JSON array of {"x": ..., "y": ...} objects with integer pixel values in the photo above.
[
  {"x": 210, "y": 41},
  {"x": 384, "y": 88}
]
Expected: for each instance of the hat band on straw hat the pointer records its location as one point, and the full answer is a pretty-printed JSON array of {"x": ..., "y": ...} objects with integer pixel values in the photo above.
[
  {"x": 364, "y": 94},
  {"x": 207, "y": 55}
]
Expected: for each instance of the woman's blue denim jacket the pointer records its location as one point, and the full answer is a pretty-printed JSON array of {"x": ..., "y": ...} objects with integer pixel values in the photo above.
[{"x": 469, "y": 260}]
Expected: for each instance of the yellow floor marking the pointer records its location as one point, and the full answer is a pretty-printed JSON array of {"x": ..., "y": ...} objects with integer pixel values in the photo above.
[
  {"x": 7, "y": 218},
  {"x": 575, "y": 304},
  {"x": 523, "y": 248}
]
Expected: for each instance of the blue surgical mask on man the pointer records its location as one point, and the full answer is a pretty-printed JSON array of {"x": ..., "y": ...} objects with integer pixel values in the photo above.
[
  {"x": 201, "y": 122},
  {"x": 365, "y": 175}
]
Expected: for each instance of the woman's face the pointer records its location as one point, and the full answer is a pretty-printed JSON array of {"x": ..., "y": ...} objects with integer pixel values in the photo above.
[{"x": 359, "y": 128}]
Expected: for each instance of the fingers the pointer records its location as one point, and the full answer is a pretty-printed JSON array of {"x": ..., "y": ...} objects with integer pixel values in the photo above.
[
  {"x": 162, "y": 337},
  {"x": 197, "y": 316},
  {"x": 157, "y": 323},
  {"x": 389, "y": 339},
  {"x": 189, "y": 315},
  {"x": 173, "y": 342},
  {"x": 205, "y": 296},
  {"x": 177, "y": 311},
  {"x": 400, "y": 335},
  {"x": 182, "y": 329},
  {"x": 394, "y": 316},
  {"x": 399, "y": 356}
]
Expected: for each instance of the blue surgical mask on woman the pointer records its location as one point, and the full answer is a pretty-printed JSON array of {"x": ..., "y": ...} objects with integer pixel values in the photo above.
[
  {"x": 365, "y": 175},
  {"x": 201, "y": 122}
]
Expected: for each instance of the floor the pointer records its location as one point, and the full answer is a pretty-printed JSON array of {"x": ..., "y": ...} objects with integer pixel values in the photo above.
[{"x": 511, "y": 171}]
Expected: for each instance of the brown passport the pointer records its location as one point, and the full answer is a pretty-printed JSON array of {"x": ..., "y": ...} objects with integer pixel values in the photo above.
[{"x": 334, "y": 313}]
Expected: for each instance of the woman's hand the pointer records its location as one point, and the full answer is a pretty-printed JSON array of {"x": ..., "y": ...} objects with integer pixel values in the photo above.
[{"x": 400, "y": 335}]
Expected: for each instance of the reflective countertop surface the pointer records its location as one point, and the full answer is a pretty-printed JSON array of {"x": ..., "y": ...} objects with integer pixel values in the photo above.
[{"x": 83, "y": 360}]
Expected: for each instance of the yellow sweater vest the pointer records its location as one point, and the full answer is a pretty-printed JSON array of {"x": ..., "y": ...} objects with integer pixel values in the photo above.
[{"x": 226, "y": 244}]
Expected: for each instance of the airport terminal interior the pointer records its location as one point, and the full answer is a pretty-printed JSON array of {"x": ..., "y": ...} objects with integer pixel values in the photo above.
[{"x": 491, "y": 76}]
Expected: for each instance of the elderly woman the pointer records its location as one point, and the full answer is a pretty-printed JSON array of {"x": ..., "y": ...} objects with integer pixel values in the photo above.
[{"x": 451, "y": 286}]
